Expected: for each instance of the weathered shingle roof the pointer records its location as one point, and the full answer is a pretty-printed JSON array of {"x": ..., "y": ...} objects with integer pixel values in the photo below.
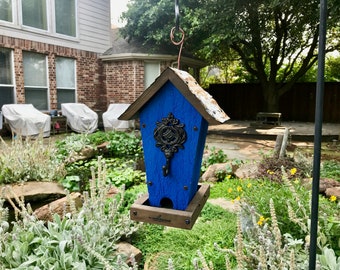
[
  {"x": 201, "y": 100},
  {"x": 121, "y": 45},
  {"x": 133, "y": 49}
]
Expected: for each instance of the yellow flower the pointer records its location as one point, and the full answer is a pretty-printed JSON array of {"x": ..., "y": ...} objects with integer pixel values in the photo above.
[
  {"x": 261, "y": 221},
  {"x": 238, "y": 198},
  {"x": 332, "y": 198},
  {"x": 228, "y": 176},
  {"x": 293, "y": 171},
  {"x": 270, "y": 172},
  {"x": 249, "y": 185},
  {"x": 230, "y": 190},
  {"x": 239, "y": 189}
]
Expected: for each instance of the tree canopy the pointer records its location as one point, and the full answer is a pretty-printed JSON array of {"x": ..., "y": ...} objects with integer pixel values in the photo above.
[{"x": 276, "y": 40}]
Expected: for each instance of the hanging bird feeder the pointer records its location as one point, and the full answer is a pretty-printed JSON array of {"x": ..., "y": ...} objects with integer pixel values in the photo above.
[{"x": 174, "y": 115}]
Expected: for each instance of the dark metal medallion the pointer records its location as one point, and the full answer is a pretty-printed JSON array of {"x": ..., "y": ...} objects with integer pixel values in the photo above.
[{"x": 170, "y": 136}]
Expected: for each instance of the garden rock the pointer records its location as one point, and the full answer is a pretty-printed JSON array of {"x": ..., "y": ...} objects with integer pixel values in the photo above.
[
  {"x": 324, "y": 184},
  {"x": 127, "y": 250},
  {"x": 210, "y": 174},
  {"x": 102, "y": 148},
  {"x": 112, "y": 192},
  {"x": 247, "y": 171},
  {"x": 85, "y": 153},
  {"x": 33, "y": 191},
  {"x": 59, "y": 207},
  {"x": 334, "y": 191}
]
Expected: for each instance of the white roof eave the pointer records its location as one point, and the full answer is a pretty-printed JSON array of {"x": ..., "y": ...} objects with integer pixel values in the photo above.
[{"x": 154, "y": 57}]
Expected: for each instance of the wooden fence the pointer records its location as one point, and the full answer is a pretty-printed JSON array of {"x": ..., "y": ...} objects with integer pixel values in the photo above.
[{"x": 244, "y": 101}]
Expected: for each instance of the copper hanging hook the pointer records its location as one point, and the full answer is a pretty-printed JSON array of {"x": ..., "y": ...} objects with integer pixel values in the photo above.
[
  {"x": 172, "y": 37},
  {"x": 172, "y": 33}
]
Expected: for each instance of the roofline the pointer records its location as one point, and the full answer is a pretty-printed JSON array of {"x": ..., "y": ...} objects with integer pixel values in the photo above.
[
  {"x": 145, "y": 56},
  {"x": 188, "y": 87}
]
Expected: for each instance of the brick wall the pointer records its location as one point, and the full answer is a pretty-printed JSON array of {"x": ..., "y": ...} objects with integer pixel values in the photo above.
[
  {"x": 124, "y": 81},
  {"x": 98, "y": 84},
  {"x": 90, "y": 77}
]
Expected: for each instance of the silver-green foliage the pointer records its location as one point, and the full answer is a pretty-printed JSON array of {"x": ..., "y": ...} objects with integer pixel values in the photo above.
[
  {"x": 84, "y": 239},
  {"x": 328, "y": 260},
  {"x": 27, "y": 159}
]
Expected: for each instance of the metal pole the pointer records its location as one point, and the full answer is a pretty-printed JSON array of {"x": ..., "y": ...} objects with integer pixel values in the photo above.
[
  {"x": 318, "y": 135},
  {"x": 177, "y": 14}
]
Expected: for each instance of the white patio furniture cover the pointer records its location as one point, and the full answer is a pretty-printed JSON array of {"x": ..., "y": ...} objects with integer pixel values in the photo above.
[
  {"x": 80, "y": 118},
  {"x": 110, "y": 118},
  {"x": 26, "y": 120}
]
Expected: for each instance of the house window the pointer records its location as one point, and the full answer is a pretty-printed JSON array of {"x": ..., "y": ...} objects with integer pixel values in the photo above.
[
  {"x": 151, "y": 72},
  {"x": 34, "y": 13},
  {"x": 35, "y": 79},
  {"x": 65, "y": 16},
  {"x": 6, "y": 77},
  {"x": 6, "y": 10},
  {"x": 66, "y": 80}
]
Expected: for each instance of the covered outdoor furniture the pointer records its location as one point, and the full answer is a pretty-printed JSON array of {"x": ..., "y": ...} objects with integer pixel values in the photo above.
[
  {"x": 110, "y": 118},
  {"x": 80, "y": 118},
  {"x": 26, "y": 120}
]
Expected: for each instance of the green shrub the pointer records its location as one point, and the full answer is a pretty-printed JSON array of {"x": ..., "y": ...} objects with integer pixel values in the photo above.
[
  {"x": 123, "y": 151},
  {"x": 330, "y": 169},
  {"x": 122, "y": 144},
  {"x": 118, "y": 171},
  {"x": 214, "y": 156}
]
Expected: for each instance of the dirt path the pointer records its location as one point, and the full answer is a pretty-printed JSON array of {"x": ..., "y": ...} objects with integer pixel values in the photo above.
[{"x": 243, "y": 148}]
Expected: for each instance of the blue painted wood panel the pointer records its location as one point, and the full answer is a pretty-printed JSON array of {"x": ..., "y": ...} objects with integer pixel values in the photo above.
[{"x": 180, "y": 185}]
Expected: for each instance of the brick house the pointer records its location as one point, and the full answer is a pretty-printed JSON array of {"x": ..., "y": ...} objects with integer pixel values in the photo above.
[
  {"x": 130, "y": 67},
  {"x": 49, "y": 52},
  {"x": 59, "y": 51}
]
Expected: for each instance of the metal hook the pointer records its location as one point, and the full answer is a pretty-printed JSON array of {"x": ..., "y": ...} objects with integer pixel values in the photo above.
[
  {"x": 172, "y": 37},
  {"x": 177, "y": 14}
]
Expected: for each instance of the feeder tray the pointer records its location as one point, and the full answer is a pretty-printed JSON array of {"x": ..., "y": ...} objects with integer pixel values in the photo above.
[{"x": 142, "y": 211}]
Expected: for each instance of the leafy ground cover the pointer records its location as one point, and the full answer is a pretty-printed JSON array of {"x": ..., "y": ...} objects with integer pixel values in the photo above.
[{"x": 274, "y": 216}]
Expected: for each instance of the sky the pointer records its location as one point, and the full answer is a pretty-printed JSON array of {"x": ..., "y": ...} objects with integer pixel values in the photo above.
[{"x": 117, "y": 7}]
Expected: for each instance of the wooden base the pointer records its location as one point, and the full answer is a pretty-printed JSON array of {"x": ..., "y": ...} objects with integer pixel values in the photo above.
[{"x": 142, "y": 211}]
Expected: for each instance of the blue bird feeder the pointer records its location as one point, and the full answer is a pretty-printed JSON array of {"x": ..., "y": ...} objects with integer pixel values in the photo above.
[{"x": 174, "y": 115}]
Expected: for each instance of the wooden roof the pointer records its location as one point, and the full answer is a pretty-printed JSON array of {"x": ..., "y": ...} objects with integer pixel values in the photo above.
[{"x": 201, "y": 100}]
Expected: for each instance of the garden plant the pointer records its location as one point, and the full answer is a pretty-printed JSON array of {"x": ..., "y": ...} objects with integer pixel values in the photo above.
[{"x": 268, "y": 230}]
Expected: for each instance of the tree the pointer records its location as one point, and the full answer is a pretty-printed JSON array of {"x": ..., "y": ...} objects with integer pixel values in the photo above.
[{"x": 276, "y": 40}]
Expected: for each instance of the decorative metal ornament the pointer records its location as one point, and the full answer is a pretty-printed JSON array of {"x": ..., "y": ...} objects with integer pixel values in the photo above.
[{"x": 170, "y": 136}]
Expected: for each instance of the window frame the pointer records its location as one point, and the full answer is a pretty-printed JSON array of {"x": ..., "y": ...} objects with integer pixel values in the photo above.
[
  {"x": 17, "y": 20},
  {"x": 31, "y": 87},
  {"x": 74, "y": 89},
  {"x": 12, "y": 85},
  {"x": 54, "y": 20},
  {"x": 32, "y": 28},
  {"x": 147, "y": 81}
]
